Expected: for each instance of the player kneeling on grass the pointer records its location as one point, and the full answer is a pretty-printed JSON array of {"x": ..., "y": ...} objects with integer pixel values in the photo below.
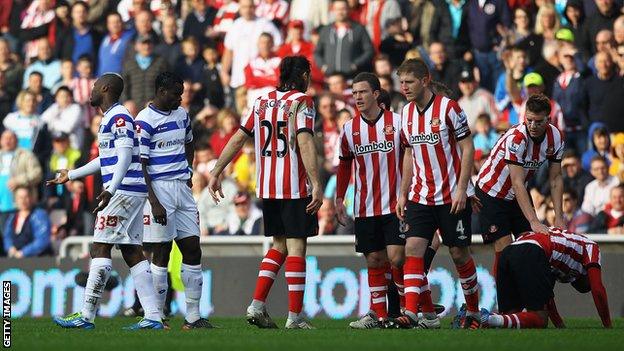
[
  {"x": 120, "y": 218},
  {"x": 281, "y": 123},
  {"x": 528, "y": 269}
]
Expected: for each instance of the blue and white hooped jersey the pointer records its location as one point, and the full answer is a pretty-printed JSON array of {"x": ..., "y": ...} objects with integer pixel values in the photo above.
[
  {"x": 162, "y": 139},
  {"x": 117, "y": 130}
]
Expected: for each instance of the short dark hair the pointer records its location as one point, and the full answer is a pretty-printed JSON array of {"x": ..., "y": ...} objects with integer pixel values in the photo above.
[
  {"x": 36, "y": 73},
  {"x": 64, "y": 88},
  {"x": 167, "y": 81},
  {"x": 538, "y": 104},
  {"x": 599, "y": 158},
  {"x": 292, "y": 70},
  {"x": 268, "y": 35},
  {"x": 80, "y": 3},
  {"x": 570, "y": 191},
  {"x": 28, "y": 189},
  {"x": 384, "y": 98},
  {"x": 570, "y": 154},
  {"x": 417, "y": 67},
  {"x": 85, "y": 57},
  {"x": 371, "y": 79}
]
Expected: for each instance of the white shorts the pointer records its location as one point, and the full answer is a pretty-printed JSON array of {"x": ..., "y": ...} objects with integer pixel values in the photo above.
[
  {"x": 182, "y": 214},
  {"x": 121, "y": 222}
]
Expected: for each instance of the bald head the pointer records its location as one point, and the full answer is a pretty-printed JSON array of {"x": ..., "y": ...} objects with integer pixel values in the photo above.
[
  {"x": 618, "y": 30},
  {"x": 109, "y": 85}
]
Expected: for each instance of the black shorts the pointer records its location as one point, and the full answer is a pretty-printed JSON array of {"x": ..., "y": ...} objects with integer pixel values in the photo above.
[
  {"x": 375, "y": 233},
  {"x": 288, "y": 217},
  {"x": 523, "y": 279},
  {"x": 500, "y": 218},
  {"x": 423, "y": 221}
]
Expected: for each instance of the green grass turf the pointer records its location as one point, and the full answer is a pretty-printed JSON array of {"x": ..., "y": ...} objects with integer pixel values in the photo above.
[{"x": 235, "y": 334}]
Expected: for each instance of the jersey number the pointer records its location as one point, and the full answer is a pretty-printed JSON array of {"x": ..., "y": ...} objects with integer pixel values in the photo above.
[
  {"x": 281, "y": 125},
  {"x": 460, "y": 227},
  {"x": 106, "y": 221}
]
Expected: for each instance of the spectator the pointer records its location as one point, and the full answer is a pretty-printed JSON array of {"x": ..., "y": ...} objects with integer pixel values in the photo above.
[
  {"x": 397, "y": 42},
  {"x": 225, "y": 17},
  {"x": 12, "y": 69},
  {"x": 600, "y": 145},
  {"x": 548, "y": 65},
  {"x": 27, "y": 231},
  {"x": 18, "y": 167},
  {"x": 25, "y": 123},
  {"x": 577, "y": 220},
  {"x": 313, "y": 13},
  {"x": 244, "y": 171},
  {"x": 189, "y": 102},
  {"x": 227, "y": 125},
  {"x": 40, "y": 13},
  {"x": 49, "y": 67},
  {"x": 203, "y": 158},
  {"x": 114, "y": 46},
  {"x": 81, "y": 87},
  {"x": 475, "y": 100},
  {"x": 297, "y": 45},
  {"x": 483, "y": 20},
  {"x": 190, "y": 66},
  {"x": 213, "y": 217},
  {"x": 618, "y": 31},
  {"x": 140, "y": 71},
  {"x": 611, "y": 219},
  {"x": 397, "y": 100},
  {"x": 78, "y": 213},
  {"x": 547, "y": 22},
  {"x": 509, "y": 85},
  {"x": 42, "y": 95},
  {"x": 211, "y": 83},
  {"x": 598, "y": 190},
  {"x": 485, "y": 136},
  {"x": 569, "y": 93},
  {"x": 575, "y": 16},
  {"x": 449, "y": 27},
  {"x": 198, "y": 23},
  {"x": 376, "y": 14},
  {"x": 605, "y": 42},
  {"x": 262, "y": 72},
  {"x": 574, "y": 176},
  {"x": 169, "y": 46},
  {"x": 522, "y": 35},
  {"x": 67, "y": 74},
  {"x": 143, "y": 27},
  {"x": 343, "y": 97},
  {"x": 6, "y": 100},
  {"x": 65, "y": 116},
  {"x": 616, "y": 168},
  {"x": 63, "y": 157},
  {"x": 330, "y": 194},
  {"x": 81, "y": 39},
  {"x": 602, "y": 19},
  {"x": 356, "y": 49},
  {"x": 326, "y": 132},
  {"x": 444, "y": 70},
  {"x": 421, "y": 25},
  {"x": 246, "y": 219},
  {"x": 609, "y": 106},
  {"x": 246, "y": 29},
  {"x": 273, "y": 10}
]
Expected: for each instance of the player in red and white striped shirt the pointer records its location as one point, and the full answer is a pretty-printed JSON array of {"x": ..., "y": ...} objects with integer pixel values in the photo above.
[
  {"x": 440, "y": 161},
  {"x": 517, "y": 155},
  {"x": 281, "y": 123},
  {"x": 273, "y": 10},
  {"x": 373, "y": 140},
  {"x": 528, "y": 269}
]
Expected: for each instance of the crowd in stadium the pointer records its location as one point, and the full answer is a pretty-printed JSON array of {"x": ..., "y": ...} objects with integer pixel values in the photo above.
[{"x": 489, "y": 54}]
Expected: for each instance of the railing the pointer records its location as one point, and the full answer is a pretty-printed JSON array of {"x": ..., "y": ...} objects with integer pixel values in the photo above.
[{"x": 330, "y": 245}]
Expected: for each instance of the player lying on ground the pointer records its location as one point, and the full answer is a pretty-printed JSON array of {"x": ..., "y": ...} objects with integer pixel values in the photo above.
[
  {"x": 281, "y": 123},
  {"x": 120, "y": 217},
  {"x": 528, "y": 269}
]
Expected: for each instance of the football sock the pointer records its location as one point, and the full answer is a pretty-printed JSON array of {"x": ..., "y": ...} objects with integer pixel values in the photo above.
[
  {"x": 99, "y": 272},
  {"x": 415, "y": 285},
  {"x": 193, "y": 279},
  {"x": 295, "y": 278},
  {"x": 377, "y": 285},
  {"x": 270, "y": 265},
  {"x": 521, "y": 320},
  {"x": 142, "y": 277},
  {"x": 470, "y": 286},
  {"x": 159, "y": 277},
  {"x": 397, "y": 276}
]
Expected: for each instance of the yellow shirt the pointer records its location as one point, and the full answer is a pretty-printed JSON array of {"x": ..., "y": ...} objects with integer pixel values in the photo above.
[{"x": 245, "y": 172}]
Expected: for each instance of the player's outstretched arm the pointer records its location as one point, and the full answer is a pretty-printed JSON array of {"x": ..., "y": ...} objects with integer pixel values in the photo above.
[
  {"x": 305, "y": 141},
  {"x": 522, "y": 196},
  {"x": 227, "y": 155},
  {"x": 599, "y": 293},
  {"x": 555, "y": 179},
  {"x": 467, "y": 156},
  {"x": 64, "y": 175}
]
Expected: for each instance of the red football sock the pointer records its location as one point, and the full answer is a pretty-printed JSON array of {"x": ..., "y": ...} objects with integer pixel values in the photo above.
[
  {"x": 426, "y": 304},
  {"x": 469, "y": 284},
  {"x": 415, "y": 283},
  {"x": 377, "y": 285},
  {"x": 295, "y": 278},
  {"x": 269, "y": 267},
  {"x": 495, "y": 267},
  {"x": 397, "y": 276},
  {"x": 523, "y": 320}
]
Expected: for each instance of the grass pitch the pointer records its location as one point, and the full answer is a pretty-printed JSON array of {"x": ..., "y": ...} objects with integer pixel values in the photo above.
[{"x": 235, "y": 334}]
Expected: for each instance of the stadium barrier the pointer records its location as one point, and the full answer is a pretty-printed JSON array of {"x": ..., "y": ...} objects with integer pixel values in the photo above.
[{"x": 336, "y": 286}]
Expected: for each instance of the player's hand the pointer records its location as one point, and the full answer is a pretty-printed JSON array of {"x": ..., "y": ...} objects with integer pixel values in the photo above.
[
  {"x": 159, "y": 213},
  {"x": 459, "y": 201},
  {"x": 400, "y": 207},
  {"x": 317, "y": 201},
  {"x": 104, "y": 199},
  {"x": 62, "y": 177},
  {"x": 341, "y": 213},
  {"x": 560, "y": 223},
  {"x": 476, "y": 204},
  {"x": 214, "y": 187},
  {"x": 539, "y": 227}
]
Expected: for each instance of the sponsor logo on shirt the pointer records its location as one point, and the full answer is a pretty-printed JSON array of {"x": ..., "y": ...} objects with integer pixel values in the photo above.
[
  {"x": 120, "y": 122},
  {"x": 532, "y": 164},
  {"x": 380, "y": 146},
  {"x": 514, "y": 147},
  {"x": 169, "y": 143},
  {"x": 425, "y": 138}
]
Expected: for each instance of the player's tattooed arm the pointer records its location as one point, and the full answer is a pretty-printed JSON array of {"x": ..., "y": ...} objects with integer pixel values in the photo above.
[
  {"x": 227, "y": 155},
  {"x": 158, "y": 211}
]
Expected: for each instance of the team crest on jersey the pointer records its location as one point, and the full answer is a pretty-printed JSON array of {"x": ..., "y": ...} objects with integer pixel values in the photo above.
[
  {"x": 137, "y": 127},
  {"x": 435, "y": 122},
  {"x": 514, "y": 147},
  {"x": 550, "y": 151},
  {"x": 389, "y": 129},
  {"x": 356, "y": 133},
  {"x": 146, "y": 220},
  {"x": 120, "y": 122}
]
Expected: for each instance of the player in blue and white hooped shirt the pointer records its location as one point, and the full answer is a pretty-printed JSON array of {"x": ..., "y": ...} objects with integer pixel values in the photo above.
[
  {"x": 166, "y": 147},
  {"x": 120, "y": 211}
]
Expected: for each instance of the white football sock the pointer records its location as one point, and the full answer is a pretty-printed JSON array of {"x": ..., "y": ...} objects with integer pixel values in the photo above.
[
  {"x": 99, "y": 272},
  {"x": 159, "y": 277},
  {"x": 193, "y": 280},
  {"x": 144, "y": 286},
  {"x": 496, "y": 320}
]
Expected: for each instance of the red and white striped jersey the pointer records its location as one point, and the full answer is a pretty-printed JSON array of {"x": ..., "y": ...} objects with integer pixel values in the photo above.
[
  {"x": 274, "y": 121},
  {"x": 225, "y": 17},
  {"x": 272, "y": 10},
  {"x": 376, "y": 148},
  {"x": 517, "y": 147},
  {"x": 433, "y": 135},
  {"x": 569, "y": 254}
]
